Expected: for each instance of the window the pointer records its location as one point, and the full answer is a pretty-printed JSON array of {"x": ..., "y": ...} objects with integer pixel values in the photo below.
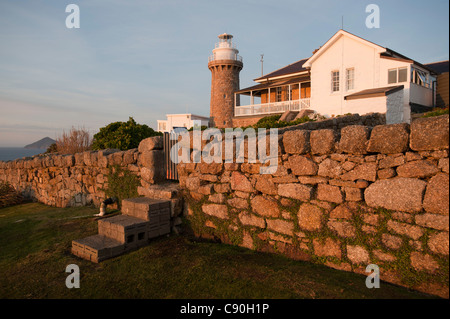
[
  {"x": 334, "y": 81},
  {"x": 278, "y": 94},
  {"x": 420, "y": 78},
  {"x": 397, "y": 75},
  {"x": 350, "y": 79}
]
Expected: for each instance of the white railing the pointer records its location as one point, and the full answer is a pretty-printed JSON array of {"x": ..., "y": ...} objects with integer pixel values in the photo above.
[
  {"x": 273, "y": 107},
  {"x": 237, "y": 57}
]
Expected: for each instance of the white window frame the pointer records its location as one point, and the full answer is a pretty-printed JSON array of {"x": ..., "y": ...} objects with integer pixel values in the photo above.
[
  {"x": 335, "y": 81},
  {"x": 350, "y": 80}
]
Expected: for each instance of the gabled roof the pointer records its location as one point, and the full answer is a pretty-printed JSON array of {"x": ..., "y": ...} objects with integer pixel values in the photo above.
[
  {"x": 439, "y": 67},
  {"x": 293, "y": 68},
  {"x": 271, "y": 84},
  {"x": 333, "y": 39}
]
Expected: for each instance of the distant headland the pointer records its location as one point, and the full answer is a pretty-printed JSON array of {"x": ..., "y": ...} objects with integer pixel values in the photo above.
[{"x": 41, "y": 144}]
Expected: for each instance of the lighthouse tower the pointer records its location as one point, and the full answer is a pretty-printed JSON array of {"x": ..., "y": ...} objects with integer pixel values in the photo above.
[{"x": 225, "y": 65}]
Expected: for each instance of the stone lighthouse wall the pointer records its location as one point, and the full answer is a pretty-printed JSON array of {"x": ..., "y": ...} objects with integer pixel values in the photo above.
[{"x": 224, "y": 82}]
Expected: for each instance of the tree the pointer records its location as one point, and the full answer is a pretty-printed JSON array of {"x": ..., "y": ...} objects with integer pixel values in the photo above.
[
  {"x": 75, "y": 141},
  {"x": 122, "y": 135}
]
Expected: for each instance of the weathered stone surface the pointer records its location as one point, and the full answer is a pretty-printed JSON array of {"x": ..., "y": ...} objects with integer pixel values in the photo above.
[
  {"x": 296, "y": 142},
  {"x": 437, "y": 195},
  {"x": 251, "y": 220},
  {"x": 154, "y": 158},
  {"x": 430, "y": 133},
  {"x": 240, "y": 183},
  {"x": 238, "y": 203},
  {"x": 403, "y": 194},
  {"x": 193, "y": 183},
  {"x": 265, "y": 184},
  {"x": 342, "y": 228},
  {"x": 342, "y": 212},
  {"x": 151, "y": 143},
  {"x": 217, "y": 198},
  {"x": 439, "y": 222},
  {"x": 438, "y": 243},
  {"x": 322, "y": 141},
  {"x": 444, "y": 165},
  {"x": 381, "y": 255},
  {"x": 389, "y": 139},
  {"x": 210, "y": 168},
  {"x": 391, "y": 241},
  {"x": 312, "y": 180},
  {"x": 423, "y": 262},
  {"x": 353, "y": 194},
  {"x": 206, "y": 189},
  {"x": 222, "y": 188},
  {"x": 280, "y": 226},
  {"x": 265, "y": 206},
  {"x": 391, "y": 161},
  {"x": 358, "y": 255},
  {"x": 216, "y": 210},
  {"x": 329, "y": 193},
  {"x": 419, "y": 169},
  {"x": 327, "y": 248},
  {"x": 386, "y": 173},
  {"x": 415, "y": 232},
  {"x": 310, "y": 217},
  {"x": 354, "y": 139},
  {"x": 247, "y": 240},
  {"x": 301, "y": 165},
  {"x": 297, "y": 191},
  {"x": 330, "y": 168},
  {"x": 365, "y": 171}
]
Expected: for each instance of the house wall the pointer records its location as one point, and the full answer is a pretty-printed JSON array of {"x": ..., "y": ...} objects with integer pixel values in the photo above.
[
  {"x": 395, "y": 109},
  {"x": 376, "y": 104},
  {"x": 420, "y": 95},
  {"x": 371, "y": 71},
  {"x": 442, "y": 90}
]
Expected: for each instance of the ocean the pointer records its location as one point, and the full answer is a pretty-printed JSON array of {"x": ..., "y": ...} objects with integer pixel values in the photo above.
[{"x": 12, "y": 153}]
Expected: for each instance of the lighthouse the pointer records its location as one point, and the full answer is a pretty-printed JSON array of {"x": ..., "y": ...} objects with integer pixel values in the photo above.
[{"x": 225, "y": 65}]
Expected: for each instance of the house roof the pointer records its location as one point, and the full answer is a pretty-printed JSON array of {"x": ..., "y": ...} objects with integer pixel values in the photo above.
[
  {"x": 270, "y": 84},
  {"x": 382, "y": 91},
  {"x": 292, "y": 68},
  {"x": 439, "y": 67}
]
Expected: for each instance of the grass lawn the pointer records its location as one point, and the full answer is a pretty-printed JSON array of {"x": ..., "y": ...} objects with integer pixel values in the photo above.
[{"x": 35, "y": 243}]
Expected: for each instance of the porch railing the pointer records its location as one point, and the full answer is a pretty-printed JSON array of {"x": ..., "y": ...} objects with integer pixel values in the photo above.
[{"x": 273, "y": 107}]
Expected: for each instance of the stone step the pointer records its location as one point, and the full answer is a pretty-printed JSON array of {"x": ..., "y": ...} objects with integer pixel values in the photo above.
[{"x": 97, "y": 248}]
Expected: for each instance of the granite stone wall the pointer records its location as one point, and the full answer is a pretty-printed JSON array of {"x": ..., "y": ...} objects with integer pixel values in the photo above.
[
  {"x": 345, "y": 199},
  {"x": 81, "y": 179}
]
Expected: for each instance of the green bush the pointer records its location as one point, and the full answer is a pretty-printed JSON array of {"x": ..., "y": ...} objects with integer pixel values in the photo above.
[
  {"x": 122, "y": 135},
  {"x": 122, "y": 184},
  {"x": 436, "y": 112},
  {"x": 273, "y": 121}
]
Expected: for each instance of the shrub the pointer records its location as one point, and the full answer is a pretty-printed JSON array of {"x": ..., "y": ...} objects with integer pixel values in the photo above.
[
  {"x": 273, "y": 121},
  {"x": 52, "y": 149},
  {"x": 122, "y": 135},
  {"x": 122, "y": 184},
  {"x": 75, "y": 141},
  {"x": 8, "y": 195},
  {"x": 436, "y": 112}
]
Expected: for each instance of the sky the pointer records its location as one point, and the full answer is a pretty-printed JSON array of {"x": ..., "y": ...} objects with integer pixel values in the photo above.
[{"x": 148, "y": 58}]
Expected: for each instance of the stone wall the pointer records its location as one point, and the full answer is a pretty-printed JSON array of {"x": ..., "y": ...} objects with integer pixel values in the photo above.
[
  {"x": 362, "y": 196},
  {"x": 80, "y": 179}
]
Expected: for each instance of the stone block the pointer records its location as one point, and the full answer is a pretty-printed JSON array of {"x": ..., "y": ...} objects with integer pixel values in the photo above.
[
  {"x": 329, "y": 193},
  {"x": 327, "y": 248},
  {"x": 402, "y": 194},
  {"x": 296, "y": 142},
  {"x": 310, "y": 217},
  {"x": 265, "y": 206},
  {"x": 438, "y": 243},
  {"x": 301, "y": 165},
  {"x": 216, "y": 210},
  {"x": 251, "y": 220},
  {"x": 430, "y": 133},
  {"x": 418, "y": 169},
  {"x": 365, "y": 171},
  {"x": 150, "y": 144},
  {"x": 354, "y": 139},
  {"x": 240, "y": 183},
  {"x": 436, "y": 199},
  {"x": 323, "y": 141},
  {"x": 389, "y": 139},
  {"x": 281, "y": 226},
  {"x": 358, "y": 255},
  {"x": 423, "y": 262},
  {"x": 297, "y": 191}
]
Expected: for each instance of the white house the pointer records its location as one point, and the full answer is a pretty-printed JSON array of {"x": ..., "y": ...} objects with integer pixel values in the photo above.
[
  {"x": 175, "y": 122},
  {"x": 347, "y": 74}
]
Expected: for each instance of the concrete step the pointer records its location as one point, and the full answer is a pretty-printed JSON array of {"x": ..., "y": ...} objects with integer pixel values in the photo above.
[
  {"x": 142, "y": 219},
  {"x": 97, "y": 248}
]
